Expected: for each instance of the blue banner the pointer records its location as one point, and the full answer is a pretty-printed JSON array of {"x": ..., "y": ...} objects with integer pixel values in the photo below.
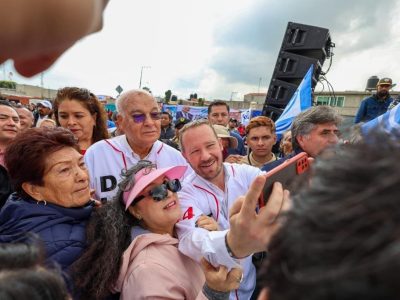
[
  {"x": 301, "y": 100},
  {"x": 388, "y": 122},
  {"x": 185, "y": 111}
]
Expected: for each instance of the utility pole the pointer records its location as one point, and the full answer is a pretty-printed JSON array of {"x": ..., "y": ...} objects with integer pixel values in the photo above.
[
  {"x": 141, "y": 75},
  {"x": 259, "y": 84},
  {"x": 4, "y": 71},
  {"x": 41, "y": 83}
]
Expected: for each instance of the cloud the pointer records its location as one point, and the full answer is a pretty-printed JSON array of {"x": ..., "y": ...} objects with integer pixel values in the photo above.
[
  {"x": 248, "y": 46},
  {"x": 218, "y": 47}
]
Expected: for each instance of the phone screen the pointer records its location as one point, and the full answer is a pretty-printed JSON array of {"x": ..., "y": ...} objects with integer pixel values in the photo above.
[{"x": 285, "y": 174}]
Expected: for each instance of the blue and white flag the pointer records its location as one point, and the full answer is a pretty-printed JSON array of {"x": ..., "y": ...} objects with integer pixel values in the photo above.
[
  {"x": 388, "y": 122},
  {"x": 245, "y": 116},
  {"x": 301, "y": 100}
]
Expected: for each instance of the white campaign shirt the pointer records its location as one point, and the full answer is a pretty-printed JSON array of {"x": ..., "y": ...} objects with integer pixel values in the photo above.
[
  {"x": 200, "y": 197},
  {"x": 107, "y": 158}
]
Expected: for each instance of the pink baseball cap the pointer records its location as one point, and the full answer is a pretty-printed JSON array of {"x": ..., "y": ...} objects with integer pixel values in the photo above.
[{"x": 146, "y": 176}]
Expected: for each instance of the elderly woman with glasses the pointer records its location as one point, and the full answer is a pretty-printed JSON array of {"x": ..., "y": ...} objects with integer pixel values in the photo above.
[
  {"x": 81, "y": 112},
  {"x": 133, "y": 248}
]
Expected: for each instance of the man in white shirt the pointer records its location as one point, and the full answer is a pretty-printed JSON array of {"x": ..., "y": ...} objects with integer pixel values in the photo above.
[
  {"x": 212, "y": 190},
  {"x": 140, "y": 119}
]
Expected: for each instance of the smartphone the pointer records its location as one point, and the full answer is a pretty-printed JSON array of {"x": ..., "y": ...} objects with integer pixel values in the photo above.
[{"x": 285, "y": 173}]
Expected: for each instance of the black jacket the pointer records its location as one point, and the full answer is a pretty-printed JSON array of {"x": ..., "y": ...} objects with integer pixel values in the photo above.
[{"x": 5, "y": 186}]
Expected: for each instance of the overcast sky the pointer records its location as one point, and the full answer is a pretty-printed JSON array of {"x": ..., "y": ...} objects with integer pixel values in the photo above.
[{"x": 219, "y": 47}]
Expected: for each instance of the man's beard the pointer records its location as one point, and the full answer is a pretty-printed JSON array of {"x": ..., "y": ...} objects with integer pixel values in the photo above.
[{"x": 382, "y": 94}]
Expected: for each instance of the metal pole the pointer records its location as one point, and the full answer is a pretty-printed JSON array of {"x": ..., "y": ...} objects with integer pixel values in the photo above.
[
  {"x": 259, "y": 84},
  {"x": 141, "y": 74}
]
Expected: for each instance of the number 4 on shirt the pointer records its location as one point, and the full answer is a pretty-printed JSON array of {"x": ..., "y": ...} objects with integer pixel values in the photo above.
[{"x": 188, "y": 214}]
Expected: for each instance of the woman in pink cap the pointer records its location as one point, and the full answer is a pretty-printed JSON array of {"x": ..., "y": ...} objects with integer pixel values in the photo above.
[{"x": 133, "y": 249}]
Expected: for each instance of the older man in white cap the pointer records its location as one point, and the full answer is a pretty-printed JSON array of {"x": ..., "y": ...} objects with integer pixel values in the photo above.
[{"x": 45, "y": 111}]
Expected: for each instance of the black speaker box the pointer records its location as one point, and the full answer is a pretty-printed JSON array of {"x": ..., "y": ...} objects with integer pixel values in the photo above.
[
  {"x": 306, "y": 40},
  {"x": 302, "y": 46},
  {"x": 279, "y": 91},
  {"x": 292, "y": 67}
]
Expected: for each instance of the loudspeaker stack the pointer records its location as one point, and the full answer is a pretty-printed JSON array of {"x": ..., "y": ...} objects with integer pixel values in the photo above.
[{"x": 302, "y": 46}]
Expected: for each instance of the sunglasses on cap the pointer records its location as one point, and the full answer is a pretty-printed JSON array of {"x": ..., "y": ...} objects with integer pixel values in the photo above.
[
  {"x": 160, "y": 192},
  {"x": 140, "y": 118}
]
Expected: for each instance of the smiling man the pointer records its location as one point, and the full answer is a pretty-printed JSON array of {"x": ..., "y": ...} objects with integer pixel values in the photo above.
[
  {"x": 211, "y": 191},
  {"x": 313, "y": 130},
  {"x": 140, "y": 118}
]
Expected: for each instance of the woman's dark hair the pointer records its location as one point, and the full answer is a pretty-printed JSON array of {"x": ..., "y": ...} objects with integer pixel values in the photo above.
[
  {"x": 91, "y": 103},
  {"x": 26, "y": 155},
  {"x": 32, "y": 284},
  {"x": 108, "y": 236}
]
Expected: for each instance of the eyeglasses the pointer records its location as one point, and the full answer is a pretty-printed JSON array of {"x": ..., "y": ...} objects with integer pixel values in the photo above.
[
  {"x": 160, "y": 192},
  {"x": 140, "y": 118}
]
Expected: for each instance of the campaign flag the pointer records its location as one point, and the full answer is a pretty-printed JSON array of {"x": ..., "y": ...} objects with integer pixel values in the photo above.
[
  {"x": 301, "y": 100},
  {"x": 245, "y": 116},
  {"x": 255, "y": 113},
  {"x": 389, "y": 122}
]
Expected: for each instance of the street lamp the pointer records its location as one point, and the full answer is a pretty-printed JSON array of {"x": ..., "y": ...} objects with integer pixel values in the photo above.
[{"x": 141, "y": 75}]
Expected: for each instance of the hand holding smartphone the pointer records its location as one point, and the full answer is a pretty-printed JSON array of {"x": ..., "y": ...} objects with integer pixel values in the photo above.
[{"x": 285, "y": 174}]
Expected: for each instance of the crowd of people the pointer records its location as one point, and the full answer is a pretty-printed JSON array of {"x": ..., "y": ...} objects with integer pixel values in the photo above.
[
  {"x": 154, "y": 211},
  {"x": 170, "y": 211}
]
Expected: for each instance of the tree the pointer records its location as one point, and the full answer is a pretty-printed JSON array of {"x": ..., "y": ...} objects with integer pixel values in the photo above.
[
  {"x": 167, "y": 96},
  {"x": 174, "y": 98},
  {"x": 7, "y": 84},
  {"x": 201, "y": 102},
  {"x": 195, "y": 95}
]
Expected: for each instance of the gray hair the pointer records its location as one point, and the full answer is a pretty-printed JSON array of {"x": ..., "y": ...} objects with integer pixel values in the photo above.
[
  {"x": 128, "y": 176},
  {"x": 306, "y": 121},
  {"x": 194, "y": 124},
  {"x": 128, "y": 95}
]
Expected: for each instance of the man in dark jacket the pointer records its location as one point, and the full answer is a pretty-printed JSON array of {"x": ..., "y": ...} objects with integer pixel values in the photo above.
[
  {"x": 376, "y": 105},
  {"x": 313, "y": 130},
  {"x": 166, "y": 128},
  {"x": 9, "y": 128},
  {"x": 218, "y": 114}
]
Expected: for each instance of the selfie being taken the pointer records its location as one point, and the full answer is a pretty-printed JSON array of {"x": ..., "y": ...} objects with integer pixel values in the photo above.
[{"x": 214, "y": 150}]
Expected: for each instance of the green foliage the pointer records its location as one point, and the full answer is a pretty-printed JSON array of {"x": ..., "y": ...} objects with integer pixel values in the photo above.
[
  {"x": 167, "y": 96},
  {"x": 7, "y": 84},
  {"x": 200, "y": 102},
  {"x": 174, "y": 98}
]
